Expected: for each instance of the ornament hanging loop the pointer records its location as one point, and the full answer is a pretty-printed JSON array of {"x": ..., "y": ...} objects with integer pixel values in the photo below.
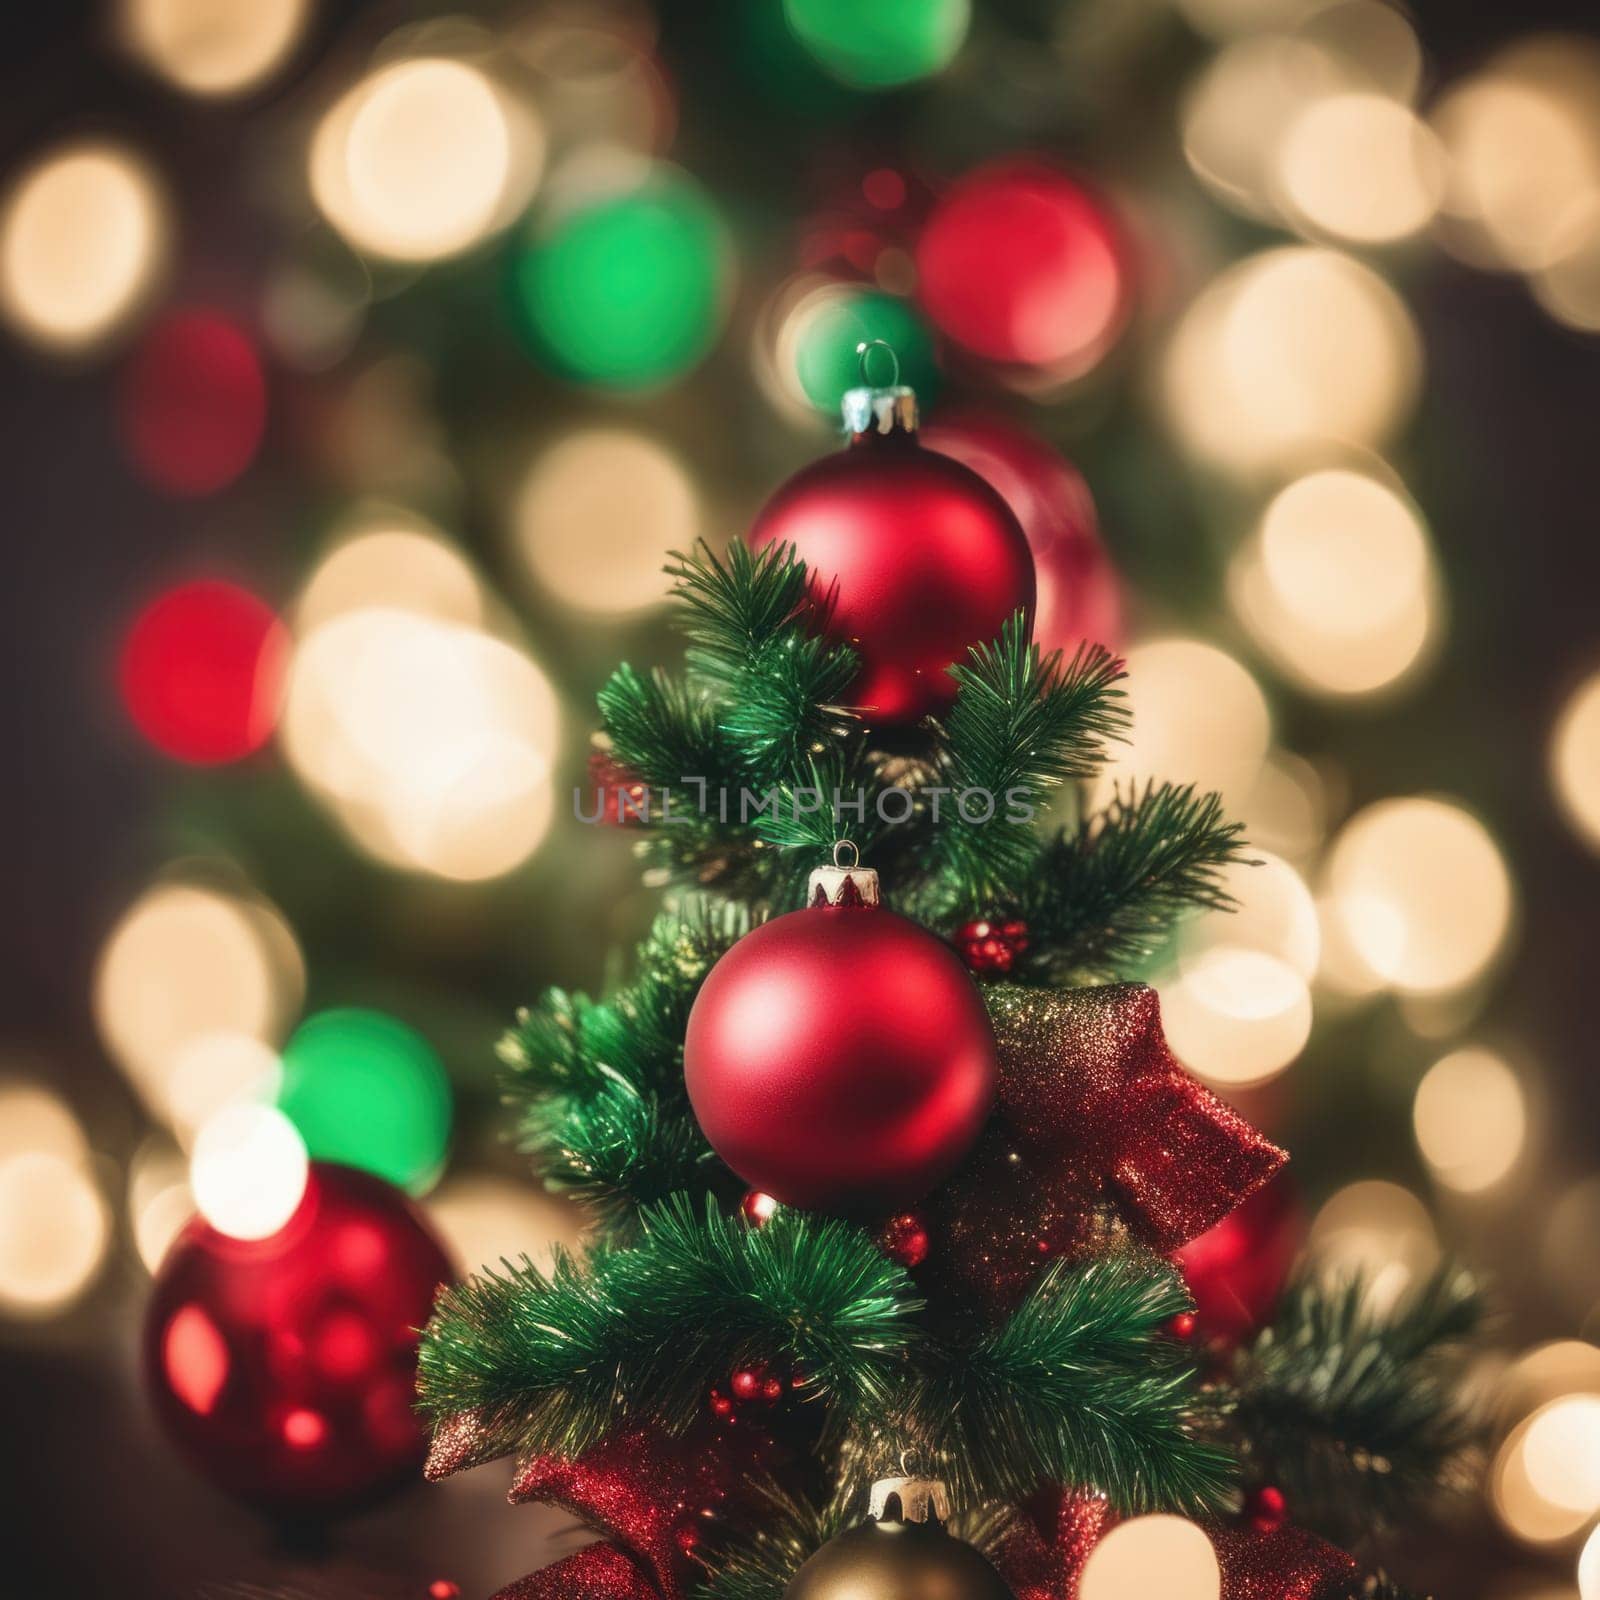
[
  {"x": 864, "y": 357},
  {"x": 839, "y": 847}
]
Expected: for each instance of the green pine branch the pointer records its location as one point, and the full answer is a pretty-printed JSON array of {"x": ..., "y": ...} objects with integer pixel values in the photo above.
[
  {"x": 598, "y": 1086},
  {"x": 553, "y": 1363},
  {"x": 1355, "y": 1413},
  {"x": 1079, "y": 1386},
  {"x": 1109, "y": 893},
  {"x": 1022, "y": 724}
]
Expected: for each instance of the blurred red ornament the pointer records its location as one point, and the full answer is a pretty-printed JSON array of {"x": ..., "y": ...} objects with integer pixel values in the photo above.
[
  {"x": 1079, "y": 595},
  {"x": 1019, "y": 264},
  {"x": 202, "y": 671},
  {"x": 758, "y": 1208},
  {"x": 623, "y": 796},
  {"x": 285, "y": 1367},
  {"x": 905, "y": 1239},
  {"x": 840, "y": 1057},
  {"x": 756, "y": 1384},
  {"x": 991, "y": 948},
  {"x": 1236, "y": 1270},
  {"x": 1265, "y": 1508},
  {"x": 917, "y": 557},
  {"x": 1183, "y": 1325},
  {"x": 193, "y": 403}
]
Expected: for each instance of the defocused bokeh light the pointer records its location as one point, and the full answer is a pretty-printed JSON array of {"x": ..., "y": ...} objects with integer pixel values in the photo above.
[
  {"x": 1155, "y": 1555},
  {"x": 201, "y": 671},
  {"x": 83, "y": 239},
  {"x": 193, "y": 403},
  {"x": 1020, "y": 265},
  {"x": 1575, "y": 760},
  {"x": 160, "y": 1200},
  {"x": 367, "y": 1091},
  {"x": 213, "y": 1070},
  {"x": 248, "y": 1171},
  {"x": 429, "y": 740},
  {"x": 884, "y": 44},
  {"x": 628, "y": 289},
  {"x": 1378, "y": 1230},
  {"x": 1198, "y": 717},
  {"x": 1471, "y": 1119},
  {"x": 388, "y": 557},
  {"x": 597, "y": 516},
  {"x": 1337, "y": 585},
  {"x": 485, "y": 1220},
  {"x": 422, "y": 159},
  {"x": 185, "y": 963},
  {"x": 1420, "y": 893},
  {"x": 212, "y": 47},
  {"x": 54, "y": 1227},
  {"x": 1291, "y": 353}
]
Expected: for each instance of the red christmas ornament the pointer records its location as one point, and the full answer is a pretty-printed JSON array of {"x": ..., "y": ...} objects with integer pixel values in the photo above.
[
  {"x": 1265, "y": 1508},
  {"x": 758, "y": 1209},
  {"x": 1236, "y": 1269},
  {"x": 623, "y": 796},
  {"x": 913, "y": 557},
  {"x": 991, "y": 949},
  {"x": 202, "y": 672},
  {"x": 1020, "y": 265},
  {"x": 840, "y": 1058},
  {"x": 285, "y": 1367},
  {"x": 1079, "y": 595},
  {"x": 905, "y": 1239},
  {"x": 193, "y": 403}
]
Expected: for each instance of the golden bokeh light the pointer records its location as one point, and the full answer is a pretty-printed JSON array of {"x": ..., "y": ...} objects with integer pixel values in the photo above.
[
  {"x": 1568, "y": 1261},
  {"x": 1236, "y": 1016},
  {"x": 1360, "y": 167},
  {"x": 248, "y": 1171},
  {"x": 212, "y": 47},
  {"x": 1273, "y": 913},
  {"x": 1544, "y": 1484},
  {"x": 187, "y": 962},
  {"x": 1575, "y": 760},
  {"x": 1156, "y": 1555},
  {"x": 392, "y": 559},
  {"x": 83, "y": 239},
  {"x": 1568, "y": 286},
  {"x": 1198, "y": 717},
  {"x": 1421, "y": 893},
  {"x": 160, "y": 1201},
  {"x": 1547, "y": 1372},
  {"x": 597, "y": 516},
  {"x": 1374, "y": 43},
  {"x": 484, "y": 1220},
  {"x": 1589, "y": 1567},
  {"x": 1471, "y": 1119},
  {"x": 1522, "y": 138},
  {"x": 54, "y": 1228},
  {"x": 214, "y": 1070},
  {"x": 1222, "y": 19},
  {"x": 1286, "y": 811},
  {"x": 1288, "y": 354},
  {"x": 423, "y": 159},
  {"x": 33, "y": 1120},
  {"x": 1378, "y": 1230},
  {"x": 1337, "y": 586},
  {"x": 432, "y": 742}
]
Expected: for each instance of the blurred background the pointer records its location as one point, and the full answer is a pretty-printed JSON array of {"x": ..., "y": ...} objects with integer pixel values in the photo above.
[{"x": 362, "y": 362}]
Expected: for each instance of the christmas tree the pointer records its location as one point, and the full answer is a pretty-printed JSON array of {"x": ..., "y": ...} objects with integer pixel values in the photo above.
[{"x": 890, "y": 1197}]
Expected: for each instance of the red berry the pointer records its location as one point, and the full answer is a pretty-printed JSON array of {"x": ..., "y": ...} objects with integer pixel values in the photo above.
[
  {"x": 747, "y": 1383},
  {"x": 758, "y": 1208},
  {"x": 1266, "y": 1509},
  {"x": 721, "y": 1406},
  {"x": 905, "y": 1239},
  {"x": 772, "y": 1390},
  {"x": 1182, "y": 1326}
]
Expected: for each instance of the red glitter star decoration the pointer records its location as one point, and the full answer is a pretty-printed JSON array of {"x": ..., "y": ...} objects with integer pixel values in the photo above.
[{"x": 1098, "y": 1130}]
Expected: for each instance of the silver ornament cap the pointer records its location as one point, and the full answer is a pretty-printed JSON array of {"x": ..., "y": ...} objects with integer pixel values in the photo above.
[
  {"x": 878, "y": 408},
  {"x": 844, "y": 883},
  {"x": 919, "y": 1498}
]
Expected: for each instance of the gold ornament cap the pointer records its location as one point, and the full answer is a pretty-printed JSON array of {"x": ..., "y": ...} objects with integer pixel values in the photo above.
[
  {"x": 843, "y": 883},
  {"x": 873, "y": 408},
  {"x": 919, "y": 1499}
]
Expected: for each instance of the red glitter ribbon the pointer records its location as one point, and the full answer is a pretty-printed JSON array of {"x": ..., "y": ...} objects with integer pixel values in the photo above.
[
  {"x": 1042, "y": 1556},
  {"x": 1094, "y": 1115}
]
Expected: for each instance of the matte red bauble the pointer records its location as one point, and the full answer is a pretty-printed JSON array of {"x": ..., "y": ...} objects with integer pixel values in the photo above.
[
  {"x": 840, "y": 1058},
  {"x": 1236, "y": 1270},
  {"x": 1079, "y": 594},
  {"x": 919, "y": 557},
  {"x": 285, "y": 1367},
  {"x": 1019, "y": 264}
]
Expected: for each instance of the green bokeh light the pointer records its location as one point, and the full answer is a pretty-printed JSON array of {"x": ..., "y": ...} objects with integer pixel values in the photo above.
[
  {"x": 826, "y": 361},
  {"x": 367, "y": 1091},
  {"x": 876, "y": 44},
  {"x": 629, "y": 290}
]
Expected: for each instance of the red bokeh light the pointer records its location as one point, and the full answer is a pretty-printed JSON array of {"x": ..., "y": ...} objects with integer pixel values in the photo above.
[
  {"x": 202, "y": 671},
  {"x": 1019, "y": 264},
  {"x": 193, "y": 404}
]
